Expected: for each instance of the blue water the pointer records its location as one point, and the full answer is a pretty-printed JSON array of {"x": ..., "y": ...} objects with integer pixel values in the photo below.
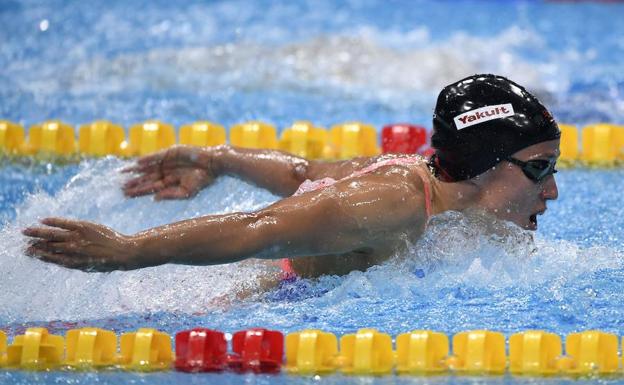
[{"x": 328, "y": 62}]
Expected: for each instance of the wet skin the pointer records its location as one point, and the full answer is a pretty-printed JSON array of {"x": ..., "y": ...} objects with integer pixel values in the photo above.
[{"x": 354, "y": 224}]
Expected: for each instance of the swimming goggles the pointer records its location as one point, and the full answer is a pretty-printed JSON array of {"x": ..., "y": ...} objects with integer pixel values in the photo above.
[{"x": 536, "y": 169}]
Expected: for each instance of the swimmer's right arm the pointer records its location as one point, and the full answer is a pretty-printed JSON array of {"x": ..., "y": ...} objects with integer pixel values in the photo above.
[{"x": 182, "y": 171}]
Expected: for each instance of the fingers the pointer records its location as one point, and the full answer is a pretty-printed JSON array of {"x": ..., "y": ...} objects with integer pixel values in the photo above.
[
  {"x": 173, "y": 192},
  {"x": 71, "y": 243},
  {"x": 176, "y": 188},
  {"x": 155, "y": 160},
  {"x": 48, "y": 256},
  {"x": 146, "y": 162},
  {"x": 50, "y": 246},
  {"x": 49, "y": 234},
  {"x": 63, "y": 223},
  {"x": 147, "y": 188},
  {"x": 72, "y": 262},
  {"x": 141, "y": 179},
  {"x": 65, "y": 254},
  {"x": 41, "y": 247},
  {"x": 142, "y": 168}
]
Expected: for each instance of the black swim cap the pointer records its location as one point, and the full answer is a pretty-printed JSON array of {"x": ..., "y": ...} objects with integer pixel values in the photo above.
[{"x": 481, "y": 120}]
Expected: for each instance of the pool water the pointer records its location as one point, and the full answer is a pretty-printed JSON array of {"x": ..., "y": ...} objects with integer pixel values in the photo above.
[{"x": 328, "y": 62}]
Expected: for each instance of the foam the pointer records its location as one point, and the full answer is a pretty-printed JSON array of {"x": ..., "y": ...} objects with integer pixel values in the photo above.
[
  {"x": 366, "y": 63},
  {"x": 94, "y": 194}
]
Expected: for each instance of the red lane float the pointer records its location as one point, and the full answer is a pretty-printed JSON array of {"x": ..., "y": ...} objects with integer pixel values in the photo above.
[
  {"x": 201, "y": 350},
  {"x": 403, "y": 138},
  {"x": 257, "y": 350}
]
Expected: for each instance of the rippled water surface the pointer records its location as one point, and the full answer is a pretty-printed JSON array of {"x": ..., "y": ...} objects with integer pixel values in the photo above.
[{"x": 328, "y": 62}]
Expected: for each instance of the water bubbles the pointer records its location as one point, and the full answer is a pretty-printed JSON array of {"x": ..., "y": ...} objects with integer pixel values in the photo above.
[
  {"x": 591, "y": 292},
  {"x": 44, "y": 25}
]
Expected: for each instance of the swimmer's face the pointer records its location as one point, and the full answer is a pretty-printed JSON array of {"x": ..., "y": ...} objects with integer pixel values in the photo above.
[{"x": 510, "y": 195}]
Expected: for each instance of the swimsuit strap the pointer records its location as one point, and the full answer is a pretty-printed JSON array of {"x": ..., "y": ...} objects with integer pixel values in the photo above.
[{"x": 428, "y": 195}]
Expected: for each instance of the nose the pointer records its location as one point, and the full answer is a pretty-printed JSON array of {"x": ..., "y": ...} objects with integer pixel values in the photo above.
[{"x": 549, "y": 189}]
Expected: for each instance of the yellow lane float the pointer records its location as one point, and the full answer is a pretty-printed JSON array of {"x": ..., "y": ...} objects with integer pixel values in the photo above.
[
  {"x": 3, "y": 346},
  {"x": 254, "y": 134},
  {"x": 50, "y": 138},
  {"x": 145, "y": 350},
  {"x": 89, "y": 348},
  {"x": 534, "y": 352},
  {"x": 421, "y": 351},
  {"x": 367, "y": 352},
  {"x": 11, "y": 137},
  {"x": 101, "y": 138},
  {"x": 202, "y": 134},
  {"x": 592, "y": 352},
  {"x": 311, "y": 352},
  {"x": 619, "y": 142},
  {"x": 305, "y": 140},
  {"x": 354, "y": 139},
  {"x": 599, "y": 145},
  {"x": 35, "y": 350},
  {"x": 478, "y": 351},
  {"x": 148, "y": 137},
  {"x": 569, "y": 145}
]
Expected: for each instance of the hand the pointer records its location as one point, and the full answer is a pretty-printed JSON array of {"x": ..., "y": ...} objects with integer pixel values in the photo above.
[
  {"x": 82, "y": 245},
  {"x": 176, "y": 173}
]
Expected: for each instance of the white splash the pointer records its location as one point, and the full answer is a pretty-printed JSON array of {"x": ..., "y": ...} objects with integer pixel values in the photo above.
[
  {"x": 34, "y": 290},
  {"x": 476, "y": 251},
  {"x": 367, "y": 63}
]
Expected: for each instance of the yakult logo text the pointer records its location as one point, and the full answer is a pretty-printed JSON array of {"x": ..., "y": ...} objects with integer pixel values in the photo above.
[{"x": 483, "y": 114}]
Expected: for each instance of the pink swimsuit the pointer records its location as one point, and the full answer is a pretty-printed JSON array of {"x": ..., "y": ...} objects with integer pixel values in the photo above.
[{"x": 288, "y": 272}]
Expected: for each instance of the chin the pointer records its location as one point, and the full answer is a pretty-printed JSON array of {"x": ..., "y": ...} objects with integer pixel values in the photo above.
[
  {"x": 526, "y": 224},
  {"x": 529, "y": 225}
]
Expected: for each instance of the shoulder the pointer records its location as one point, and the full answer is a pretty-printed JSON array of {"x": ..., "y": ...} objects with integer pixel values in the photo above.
[{"x": 410, "y": 169}]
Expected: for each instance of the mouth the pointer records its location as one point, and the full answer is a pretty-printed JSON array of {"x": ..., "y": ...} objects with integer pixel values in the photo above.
[{"x": 533, "y": 220}]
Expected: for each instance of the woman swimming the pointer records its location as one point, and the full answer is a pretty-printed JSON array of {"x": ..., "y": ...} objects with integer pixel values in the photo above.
[{"x": 495, "y": 147}]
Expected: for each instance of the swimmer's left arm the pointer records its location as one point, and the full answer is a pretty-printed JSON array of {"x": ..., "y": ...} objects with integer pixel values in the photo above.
[
  {"x": 354, "y": 213},
  {"x": 362, "y": 212},
  {"x": 358, "y": 212}
]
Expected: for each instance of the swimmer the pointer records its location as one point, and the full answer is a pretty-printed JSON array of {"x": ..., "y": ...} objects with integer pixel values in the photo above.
[{"x": 495, "y": 145}]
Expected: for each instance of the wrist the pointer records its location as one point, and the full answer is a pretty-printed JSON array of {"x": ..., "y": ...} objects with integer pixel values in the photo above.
[
  {"x": 216, "y": 159},
  {"x": 141, "y": 252}
]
